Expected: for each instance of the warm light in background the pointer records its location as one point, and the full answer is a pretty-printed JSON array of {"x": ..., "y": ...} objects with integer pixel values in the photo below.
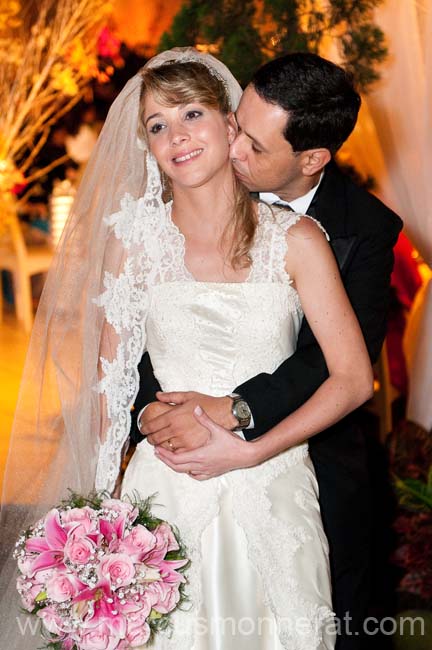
[
  {"x": 60, "y": 205},
  {"x": 142, "y": 22}
]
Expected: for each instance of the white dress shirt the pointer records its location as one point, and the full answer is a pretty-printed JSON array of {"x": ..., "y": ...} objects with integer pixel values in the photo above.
[{"x": 301, "y": 204}]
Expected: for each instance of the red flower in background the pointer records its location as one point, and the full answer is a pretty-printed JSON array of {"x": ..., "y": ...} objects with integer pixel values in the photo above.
[{"x": 108, "y": 46}]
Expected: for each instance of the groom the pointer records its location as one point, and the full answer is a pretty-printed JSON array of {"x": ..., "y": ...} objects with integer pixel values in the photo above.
[{"x": 292, "y": 118}]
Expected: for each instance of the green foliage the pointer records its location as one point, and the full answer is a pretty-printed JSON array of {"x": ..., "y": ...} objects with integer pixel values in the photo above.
[
  {"x": 289, "y": 36},
  {"x": 415, "y": 494},
  {"x": 186, "y": 26},
  {"x": 362, "y": 48},
  {"x": 244, "y": 36},
  {"x": 227, "y": 26}
]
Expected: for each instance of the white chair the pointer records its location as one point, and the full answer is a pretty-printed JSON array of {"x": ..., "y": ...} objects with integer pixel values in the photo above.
[{"x": 22, "y": 261}]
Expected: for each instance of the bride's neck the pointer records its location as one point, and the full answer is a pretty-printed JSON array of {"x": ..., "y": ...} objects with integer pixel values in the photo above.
[{"x": 208, "y": 207}]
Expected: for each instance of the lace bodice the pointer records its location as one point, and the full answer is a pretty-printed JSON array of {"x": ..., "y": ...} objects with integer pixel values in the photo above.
[{"x": 212, "y": 336}]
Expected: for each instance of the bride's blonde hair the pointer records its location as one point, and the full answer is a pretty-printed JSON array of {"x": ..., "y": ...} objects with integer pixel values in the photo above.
[{"x": 187, "y": 82}]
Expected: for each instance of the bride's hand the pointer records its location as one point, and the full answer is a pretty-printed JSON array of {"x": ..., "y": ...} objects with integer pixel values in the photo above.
[{"x": 223, "y": 452}]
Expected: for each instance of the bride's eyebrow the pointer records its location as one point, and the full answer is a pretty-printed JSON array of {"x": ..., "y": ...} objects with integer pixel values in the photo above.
[
  {"x": 161, "y": 115},
  {"x": 150, "y": 117}
]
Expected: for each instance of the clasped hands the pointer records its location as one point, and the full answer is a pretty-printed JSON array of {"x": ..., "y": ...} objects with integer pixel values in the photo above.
[{"x": 183, "y": 428}]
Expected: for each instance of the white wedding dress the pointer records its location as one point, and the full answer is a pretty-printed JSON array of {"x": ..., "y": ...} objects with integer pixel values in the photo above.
[{"x": 259, "y": 574}]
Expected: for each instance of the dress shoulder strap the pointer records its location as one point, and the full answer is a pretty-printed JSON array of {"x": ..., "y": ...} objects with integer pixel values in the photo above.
[
  {"x": 287, "y": 218},
  {"x": 269, "y": 250}
]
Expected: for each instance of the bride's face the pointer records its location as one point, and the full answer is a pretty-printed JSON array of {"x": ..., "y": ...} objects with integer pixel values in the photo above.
[{"x": 189, "y": 141}]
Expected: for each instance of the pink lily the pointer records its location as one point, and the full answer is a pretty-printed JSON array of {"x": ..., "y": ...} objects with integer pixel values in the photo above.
[
  {"x": 50, "y": 547},
  {"x": 168, "y": 572},
  {"x": 104, "y": 612},
  {"x": 101, "y": 590},
  {"x": 103, "y": 615},
  {"x": 113, "y": 531}
]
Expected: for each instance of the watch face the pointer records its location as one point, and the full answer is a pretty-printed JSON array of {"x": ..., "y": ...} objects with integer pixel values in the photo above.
[{"x": 242, "y": 410}]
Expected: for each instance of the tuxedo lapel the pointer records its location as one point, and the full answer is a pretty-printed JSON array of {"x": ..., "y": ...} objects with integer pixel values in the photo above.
[
  {"x": 329, "y": 205},
  {"x": 330, "y": 208},
  {"x": 342, "y": 247}
]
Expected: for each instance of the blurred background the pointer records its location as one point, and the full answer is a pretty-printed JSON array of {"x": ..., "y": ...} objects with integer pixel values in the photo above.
[{"x": 61, "y": 66}]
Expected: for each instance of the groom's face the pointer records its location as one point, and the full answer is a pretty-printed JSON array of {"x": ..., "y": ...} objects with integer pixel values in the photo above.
[{"x": 263, "y": 159}]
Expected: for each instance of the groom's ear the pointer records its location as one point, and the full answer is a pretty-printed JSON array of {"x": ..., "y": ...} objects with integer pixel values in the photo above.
[
  {"x": 314, "y": 161},
  {"x": 232, "y": 127}
]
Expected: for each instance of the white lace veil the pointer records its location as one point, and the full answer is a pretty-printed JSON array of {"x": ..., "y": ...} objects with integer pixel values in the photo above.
[{"x": 66, "y": 434}]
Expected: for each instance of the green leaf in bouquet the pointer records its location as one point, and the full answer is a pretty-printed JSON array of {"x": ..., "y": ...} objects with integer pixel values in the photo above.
[{"x": 41, "y": 597}]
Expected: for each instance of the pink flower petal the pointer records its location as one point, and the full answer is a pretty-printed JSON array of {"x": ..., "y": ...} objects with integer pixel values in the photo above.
[
  {"x": 46, "y": 560},
  {"x": 55, "y": 535},
  {"x": 37, "y": 545}
]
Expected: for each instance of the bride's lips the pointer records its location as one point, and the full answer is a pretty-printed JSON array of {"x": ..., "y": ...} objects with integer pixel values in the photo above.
[{"x": 186, "y": 156}]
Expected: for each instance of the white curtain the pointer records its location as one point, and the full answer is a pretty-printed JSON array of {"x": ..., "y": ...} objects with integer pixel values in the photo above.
[
  {"x": 393, "y": 140},
  {"x": 418, "y": 353},
  {"x": 393, "y": 143}
]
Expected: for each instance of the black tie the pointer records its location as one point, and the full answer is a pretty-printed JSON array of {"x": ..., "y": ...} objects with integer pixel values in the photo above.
[{"x": 283, "y": 205}]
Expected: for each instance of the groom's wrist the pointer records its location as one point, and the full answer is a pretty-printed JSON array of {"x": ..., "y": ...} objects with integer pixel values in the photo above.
[{"x": 226, "y": 417}]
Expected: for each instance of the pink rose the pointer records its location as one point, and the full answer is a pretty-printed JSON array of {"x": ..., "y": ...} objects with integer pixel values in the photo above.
[
  {"x": 100, "y": 638},
  {"x": 79, "y": 549},
  {"x": 138, "y": 617},
  {"x": 138, "y": 636},
  {"x": 122, "y": 507},
  {"x": 166, "y": 596},
  {"x": 51, "y": 620},
  {"x": 157, "y": 554},
  {"x": 80, "y": 520},
  {"x": 139, "y": 542},
  {"x": 28, "y": 593},
  {"x": 25, "y": 564},
  {"x": 119, "y": 568},
  {"x": 42, "y": 577},
  {"x": 62, "y": 586},
  {"x": 165, "y": 541},
  {"x": 165, "y": 532}
]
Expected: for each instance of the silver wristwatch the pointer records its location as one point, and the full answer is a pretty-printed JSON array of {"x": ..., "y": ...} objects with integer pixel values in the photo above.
[{"x": 240, "y": 410}]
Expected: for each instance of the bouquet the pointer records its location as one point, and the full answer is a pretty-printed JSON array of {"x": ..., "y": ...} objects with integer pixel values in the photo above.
[{"x": 100, "y": 573}]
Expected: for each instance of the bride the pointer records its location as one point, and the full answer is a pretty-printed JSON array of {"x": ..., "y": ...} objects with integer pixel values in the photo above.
[{"x": 214, "y": 286}]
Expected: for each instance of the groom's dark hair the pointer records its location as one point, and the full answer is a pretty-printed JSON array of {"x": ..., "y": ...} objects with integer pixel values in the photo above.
[{"x": 318, "y": 95}]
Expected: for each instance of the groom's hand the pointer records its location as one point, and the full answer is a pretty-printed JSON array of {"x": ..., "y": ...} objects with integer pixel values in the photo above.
[{"x": 178, "y": 424}]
